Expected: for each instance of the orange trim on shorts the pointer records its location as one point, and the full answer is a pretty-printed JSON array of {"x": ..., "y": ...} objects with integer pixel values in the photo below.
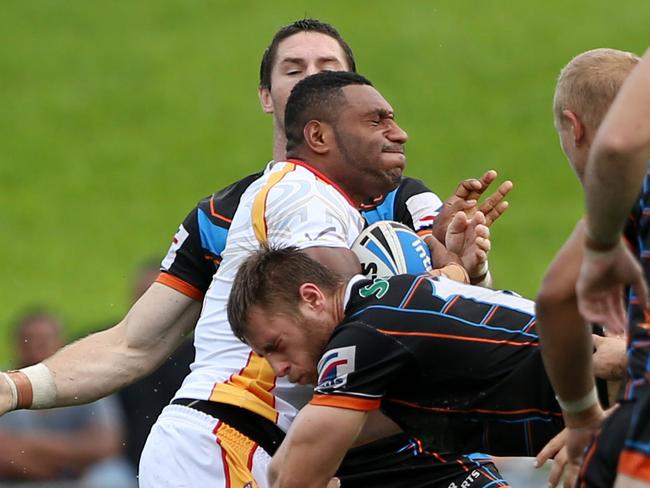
[
  {"x": 180, "y": 285},
  {"x": 635, "y": 465},
  {"x": 349, "y": 403},
  {"x": 237, "y": 451}
]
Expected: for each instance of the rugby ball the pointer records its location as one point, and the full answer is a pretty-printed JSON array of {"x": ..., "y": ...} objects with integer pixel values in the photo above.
[{"x": 388, "y": 248}]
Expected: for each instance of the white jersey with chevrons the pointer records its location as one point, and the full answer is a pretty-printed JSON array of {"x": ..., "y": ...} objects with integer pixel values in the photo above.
[{"x": 290, "y": 205}]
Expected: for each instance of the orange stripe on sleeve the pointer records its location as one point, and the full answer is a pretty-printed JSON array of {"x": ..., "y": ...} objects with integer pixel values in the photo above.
[
  {"x": 346, "y": 402},
  {"x": 635, "y": 465},
  {"x": 179, "y": 285},
  {"x": 460, "y": 338}
]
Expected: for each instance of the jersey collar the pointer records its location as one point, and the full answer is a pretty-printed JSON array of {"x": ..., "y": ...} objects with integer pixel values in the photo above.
[
  {"x": 348, "y": 288},
  {"x": 321, "y": 176}
]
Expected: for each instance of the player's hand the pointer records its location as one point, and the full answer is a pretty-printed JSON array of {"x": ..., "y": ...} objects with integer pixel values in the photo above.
[
  {"x": 555, "y": 449},
  {"x": 5, "y": 396},
  {"x": 580, "y": 432},
  {"x": 609, "y": 359},
  {"x": 465, "y": 199},
  {"x": 601, "y": 283},
  {"x": 470, "y": 240}
]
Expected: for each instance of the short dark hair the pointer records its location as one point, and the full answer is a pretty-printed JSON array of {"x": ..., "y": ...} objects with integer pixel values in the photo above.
[
  {"x": 271, "y": 278},
  {"x": 317, "y": 97},
  {"x": 302, "y": 25}
]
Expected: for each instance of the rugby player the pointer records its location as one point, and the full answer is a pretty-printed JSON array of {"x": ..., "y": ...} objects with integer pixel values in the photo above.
[
  {"x": 106, "y": 361},
  {"x": 456, "y": 366},
  {"x": 585, "y": 91}
]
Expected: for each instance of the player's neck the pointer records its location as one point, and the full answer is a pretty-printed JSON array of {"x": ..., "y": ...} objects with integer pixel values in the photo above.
[
  {"x": 338, "y": 304},
  {"x": 279, "y": 144}
]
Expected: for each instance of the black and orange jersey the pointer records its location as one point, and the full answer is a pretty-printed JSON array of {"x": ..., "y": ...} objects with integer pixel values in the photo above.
[
  {"x": 457, "y": 366},
  {"x": 637, "y": 234},
  {"x": 195, "y": 252}
]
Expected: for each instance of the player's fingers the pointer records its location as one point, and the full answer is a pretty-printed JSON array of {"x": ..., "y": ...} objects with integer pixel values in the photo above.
[
  {"x": 555, "y": 475},
  {"x": 571, "y": 475},
  {"x": 469, "y": 189},
  {"x": 501, "y": 192},
  {"x": 550, "y": 449},
  {"x": 488, "y": 177},
  {"x": 492, "y": 215},
  {"x": 458, "y": 223},
  {"x": 483, "y": 245}
]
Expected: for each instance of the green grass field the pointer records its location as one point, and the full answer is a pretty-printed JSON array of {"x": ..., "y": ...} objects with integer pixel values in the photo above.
[{"x": 116, "y": 117}]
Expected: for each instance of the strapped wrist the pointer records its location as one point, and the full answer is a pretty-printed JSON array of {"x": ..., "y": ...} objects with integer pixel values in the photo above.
[
  {"x": 31, "y": 387},
  {"x": 581, "y": 404},
  {"x": 13, "y": 392},
  {"x": 598, "y": 246}
]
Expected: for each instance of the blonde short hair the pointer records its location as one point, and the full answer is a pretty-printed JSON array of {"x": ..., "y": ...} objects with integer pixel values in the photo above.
[{"x": 588, "y": 85}]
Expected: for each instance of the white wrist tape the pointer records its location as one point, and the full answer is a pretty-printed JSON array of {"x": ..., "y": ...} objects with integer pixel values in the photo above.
[
  {"x": 581, "y": 404},
  {"x": 13, "y": 391},
  {"x": 43, "y": 386}
]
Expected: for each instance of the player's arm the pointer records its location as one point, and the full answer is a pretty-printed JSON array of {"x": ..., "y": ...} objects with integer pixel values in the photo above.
[
  {"x": 314, "y": 447},
  {"x": 566, "y": 345},
  {"x": 101, "y": 363}
]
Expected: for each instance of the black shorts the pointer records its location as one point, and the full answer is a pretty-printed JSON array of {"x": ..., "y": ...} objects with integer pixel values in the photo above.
[{"x": 398, "y": 461}]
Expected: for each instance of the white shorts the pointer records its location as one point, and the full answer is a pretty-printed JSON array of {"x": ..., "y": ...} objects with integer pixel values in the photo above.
[{"x": 187, "y": 449}]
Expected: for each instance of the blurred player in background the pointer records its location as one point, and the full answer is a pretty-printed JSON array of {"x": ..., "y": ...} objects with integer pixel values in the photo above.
[
  {"x": 80, "y": 444},
  {"x": 586, "y": 88},
  {"x": 169, "y": 309}
]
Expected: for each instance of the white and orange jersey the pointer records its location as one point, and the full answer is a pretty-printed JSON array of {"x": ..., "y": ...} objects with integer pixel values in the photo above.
[{"x": 290, "y": 205}]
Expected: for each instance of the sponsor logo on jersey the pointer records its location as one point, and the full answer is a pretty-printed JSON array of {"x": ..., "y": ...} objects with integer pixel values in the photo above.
[
  {"x": 334, "y": 367},
  {"x": 177, "y": 242}
]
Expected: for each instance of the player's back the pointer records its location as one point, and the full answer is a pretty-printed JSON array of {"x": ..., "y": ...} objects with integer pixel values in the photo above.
[{"x": 473, "y": 358}]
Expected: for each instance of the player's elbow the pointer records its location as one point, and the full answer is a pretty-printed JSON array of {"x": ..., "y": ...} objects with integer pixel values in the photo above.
[{"x": 551, "y": 298}]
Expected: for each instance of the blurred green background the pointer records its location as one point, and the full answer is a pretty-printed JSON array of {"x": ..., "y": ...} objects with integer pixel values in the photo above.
[{"x": 116, "y": 117}]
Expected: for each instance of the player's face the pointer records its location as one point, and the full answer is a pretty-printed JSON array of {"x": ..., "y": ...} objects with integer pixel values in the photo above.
[
  {"x": 370, "y": 142},
  {"x": 292, "y": 345},
  {"x": 298, "y": 56}
]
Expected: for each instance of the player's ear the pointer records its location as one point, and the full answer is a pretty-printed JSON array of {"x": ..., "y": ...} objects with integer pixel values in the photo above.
[
  {"x": 578, "y": 129},
  {"x": 266, "y": 102},
  {"x": 311, "y": 296},
  {"x": 318, "y": 136}
]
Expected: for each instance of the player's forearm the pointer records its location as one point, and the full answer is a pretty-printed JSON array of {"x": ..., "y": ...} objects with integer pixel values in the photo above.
[
  {"x": 565, "y": 339},
  {"x": 101, "y": 363},
  {"x": 107, "y": 361},
  {"x": 618, "y": 158},
  {"x": 566, "y": 347}
]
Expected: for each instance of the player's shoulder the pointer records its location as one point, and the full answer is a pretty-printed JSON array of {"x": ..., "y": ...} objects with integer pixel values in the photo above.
[{"x": 220, "y": 206}]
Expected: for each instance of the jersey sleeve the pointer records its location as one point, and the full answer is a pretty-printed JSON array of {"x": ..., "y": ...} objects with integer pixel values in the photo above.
[
  {"x": 412, "y": 203},
  {"x": 188, "y": 267},
  {"x": 308, "y": 215},
  {"x": 416, "y": 205},
  {"x": 358, "y": 367}
]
